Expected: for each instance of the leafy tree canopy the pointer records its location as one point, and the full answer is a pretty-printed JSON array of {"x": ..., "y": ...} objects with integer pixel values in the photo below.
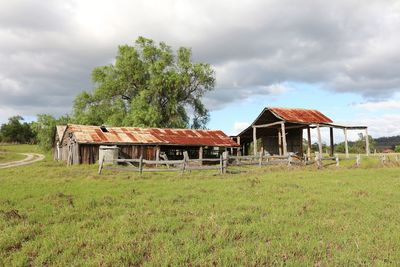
[
  {"x": 149, "y": 85},
  {"x": 45, "y": 128},
  {"x": 397, "y": 149},
  {"x": 16, "y": 132},
  {"x": 358, "y": 146}
]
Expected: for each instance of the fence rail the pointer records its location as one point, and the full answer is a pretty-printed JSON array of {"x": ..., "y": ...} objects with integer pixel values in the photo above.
[{"x": 226, "y": 160}]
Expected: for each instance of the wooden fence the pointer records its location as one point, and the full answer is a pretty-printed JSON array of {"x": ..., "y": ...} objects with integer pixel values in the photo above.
[
  {"x": 383, "y": 159},
  {"x": 225, "y": 160},
  {"x": 186, "y": 164}
]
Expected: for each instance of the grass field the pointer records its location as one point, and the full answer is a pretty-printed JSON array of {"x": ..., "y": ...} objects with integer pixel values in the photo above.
[
  {"x": 7, "y": 154},
  {"x": 51, "y": 214}
]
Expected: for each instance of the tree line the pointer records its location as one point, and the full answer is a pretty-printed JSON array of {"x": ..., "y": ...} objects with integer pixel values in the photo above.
[{"x": 355, "y": 147}]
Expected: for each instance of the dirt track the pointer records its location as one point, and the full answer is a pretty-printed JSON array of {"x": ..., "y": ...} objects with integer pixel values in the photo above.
[{"x": 30, "y": 158}]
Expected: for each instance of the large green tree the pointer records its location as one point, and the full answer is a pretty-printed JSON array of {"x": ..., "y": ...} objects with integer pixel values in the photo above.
[{"x": 149, "y": 85}]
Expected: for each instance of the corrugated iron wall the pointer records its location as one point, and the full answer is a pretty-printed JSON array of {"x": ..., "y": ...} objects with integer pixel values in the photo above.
[
  {"x": 134, "y": 152},
  {"x": 89, "y": 154}
]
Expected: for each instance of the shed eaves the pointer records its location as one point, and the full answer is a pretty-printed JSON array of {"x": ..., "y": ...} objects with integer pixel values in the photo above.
[
  {"x": 61, "y": 130},
  {"x": 134, "y": 135}
]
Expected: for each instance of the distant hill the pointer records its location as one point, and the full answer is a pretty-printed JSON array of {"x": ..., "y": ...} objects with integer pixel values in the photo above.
[{"x": 387, "y": 142}]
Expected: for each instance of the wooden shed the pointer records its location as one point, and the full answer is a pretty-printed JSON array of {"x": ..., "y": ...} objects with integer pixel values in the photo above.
[
  {"x": 280, "y": 131},
  {"x": 80, "y": 143}
]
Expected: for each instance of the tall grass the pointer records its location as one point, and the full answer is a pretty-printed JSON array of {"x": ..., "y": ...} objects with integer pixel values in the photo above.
[{"x": 55, "y": 215}]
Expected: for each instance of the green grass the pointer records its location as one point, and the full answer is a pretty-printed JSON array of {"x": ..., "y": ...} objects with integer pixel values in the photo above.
[
  {"x": 57, "y": 215},
  {"x": 12, "y": 152}
]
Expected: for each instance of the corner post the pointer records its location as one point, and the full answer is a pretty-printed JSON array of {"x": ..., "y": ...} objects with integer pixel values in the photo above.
[
  {"x": 332, "y": 143},
  {"x": 308, "y": 143}
]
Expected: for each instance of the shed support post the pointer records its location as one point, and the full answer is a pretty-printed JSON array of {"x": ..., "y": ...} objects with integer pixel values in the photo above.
[
  {"x": 238, "y": 149},
  {"x": 319, "y": 141},
  {"x": 346, "y": 145},
  {"x": 366, "y": 142},
  {"x": 332, "y": 143},
  {"x": 255, "y": 141},
  {"x": 201, "y": 155},
  {"x": 280, "y": 142},
  {"x": 308, "y": 143},
  {"x": 284, "y": 139}
]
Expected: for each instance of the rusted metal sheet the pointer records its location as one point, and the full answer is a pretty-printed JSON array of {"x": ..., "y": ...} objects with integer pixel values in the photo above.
[
  {"x": 131, "y": 135},
  {"x": 300, "y": 115}
]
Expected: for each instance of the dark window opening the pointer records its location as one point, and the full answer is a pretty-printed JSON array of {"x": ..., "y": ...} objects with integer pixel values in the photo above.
[{"x": 104, "y": 129}]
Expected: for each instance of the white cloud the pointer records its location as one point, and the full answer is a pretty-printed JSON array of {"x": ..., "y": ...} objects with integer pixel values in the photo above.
[
  {"x": 275, "y": 89},
  {"x": 372, "y": 106},
  {"x": 239, "y": 126},
  {"x": 385, "y": 125},
  {"x": 49, "y": 48}
]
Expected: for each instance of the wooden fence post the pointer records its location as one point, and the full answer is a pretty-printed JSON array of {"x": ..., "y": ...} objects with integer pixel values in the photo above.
[
  {"x": 337, "y": 160},
  {"x": 101, "y": 162},
  {"x": 289, "y": 160},
  {"x": 141, "y": 164},
  {"x": 225, "y": 161},
  {"x": 358, "y": 160},
  {"x": 221, "y": 166},
  {"x": 318, "y": 159},
  {"x": 383, "y": 159},
  {"x": 184, "y": 161},
  {"x": 157, "y": 155},
  {"x": 261, "y": 156},
  {"x": 201, "y": 155}
]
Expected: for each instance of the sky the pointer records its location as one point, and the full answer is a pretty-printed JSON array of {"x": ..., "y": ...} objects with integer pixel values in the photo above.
[{"x": 340, "y": 57}]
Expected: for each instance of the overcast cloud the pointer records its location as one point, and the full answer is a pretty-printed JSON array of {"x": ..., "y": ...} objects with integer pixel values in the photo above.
[{"x": 49, "y": 48}]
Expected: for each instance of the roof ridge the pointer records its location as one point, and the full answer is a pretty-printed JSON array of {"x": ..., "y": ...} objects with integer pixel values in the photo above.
[
  {"x": 150, "y": 128},
  {"x": 294, "y": 108}
]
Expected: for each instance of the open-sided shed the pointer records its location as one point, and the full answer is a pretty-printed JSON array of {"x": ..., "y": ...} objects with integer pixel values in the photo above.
[
  {"x": 281, "y": 131},
  {"x": 80, "y": 143}
]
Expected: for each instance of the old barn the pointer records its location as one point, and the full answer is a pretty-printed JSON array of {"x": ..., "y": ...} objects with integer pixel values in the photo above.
[
  {"x": 280, "y": 131},
  {"x": 78, "y": 144}
]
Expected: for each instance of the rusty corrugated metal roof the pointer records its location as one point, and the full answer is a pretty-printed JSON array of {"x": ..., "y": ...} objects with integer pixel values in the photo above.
[
  {"x": 300, "y": 115},
  {"x": 124, "y": 135}
]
